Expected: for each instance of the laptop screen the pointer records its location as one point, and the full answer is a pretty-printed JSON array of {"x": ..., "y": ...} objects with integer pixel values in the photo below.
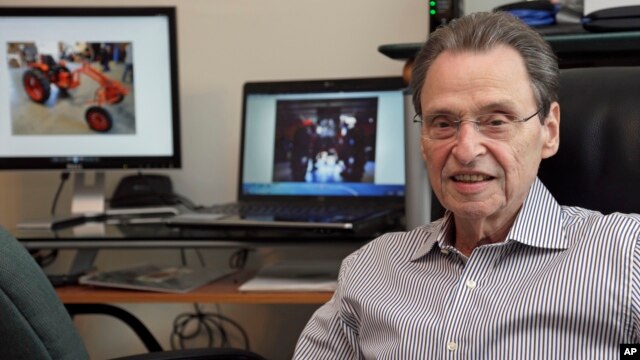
[{"x": 328, "y": 138}]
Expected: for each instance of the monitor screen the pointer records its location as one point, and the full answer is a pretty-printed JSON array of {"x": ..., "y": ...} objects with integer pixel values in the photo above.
[
  {"x": 92, "y": 88},
  {"x": 320, "y": 138}
]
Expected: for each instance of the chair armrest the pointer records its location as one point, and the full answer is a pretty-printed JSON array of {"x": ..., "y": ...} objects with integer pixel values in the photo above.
[{"x": 197, "y": 354}]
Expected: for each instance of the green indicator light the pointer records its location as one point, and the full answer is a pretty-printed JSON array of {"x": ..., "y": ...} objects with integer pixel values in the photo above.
[
  {"x": 432, "y": 3},
  {"x": 433, "y": 12}
]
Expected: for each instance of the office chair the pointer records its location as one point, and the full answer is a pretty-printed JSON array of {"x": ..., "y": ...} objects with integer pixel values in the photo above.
[
  {"x": 598, "y": 162},
  {"x": 36, "y": 325}
]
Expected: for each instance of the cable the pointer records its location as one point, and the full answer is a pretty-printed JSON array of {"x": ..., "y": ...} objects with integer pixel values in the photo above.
[
  {"x": 238, "y": 259},
  {"x": 42, "y": 257},
  {"x": 200, "y": 257},
  {"x": 188, "y": 203},
  {"x": 183, "y": 257},
  {"x": 209, "y": 323},
  {"x": 64, "y": 176}
]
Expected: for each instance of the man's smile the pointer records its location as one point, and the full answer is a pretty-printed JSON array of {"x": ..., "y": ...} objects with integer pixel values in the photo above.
[{"x": 471, "y": 178}]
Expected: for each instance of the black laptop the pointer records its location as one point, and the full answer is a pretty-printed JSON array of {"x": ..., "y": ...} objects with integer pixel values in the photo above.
[{"x": 319, "y": 154}]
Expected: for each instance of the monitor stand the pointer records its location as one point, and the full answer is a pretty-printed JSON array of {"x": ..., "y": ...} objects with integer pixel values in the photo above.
[
  {"x": 88, "y": 200},
  {"x": 88, "y": 212},
  {"x": 88, "y": 203},
  {"x": 88, "y": 196}
]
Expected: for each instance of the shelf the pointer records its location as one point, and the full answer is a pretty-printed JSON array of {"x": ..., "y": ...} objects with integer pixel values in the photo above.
[
  {"x": 400, "y": 51},
  {"x": 573, "y": 50},
  {"x": 224, "y": 290}
]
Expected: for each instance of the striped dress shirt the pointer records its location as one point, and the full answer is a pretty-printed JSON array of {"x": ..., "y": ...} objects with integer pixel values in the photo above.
[{"x": 564, "y": 285}]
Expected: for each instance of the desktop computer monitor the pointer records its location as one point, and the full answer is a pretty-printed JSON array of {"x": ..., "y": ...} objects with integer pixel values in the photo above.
[{"x": 89, "y": 88}]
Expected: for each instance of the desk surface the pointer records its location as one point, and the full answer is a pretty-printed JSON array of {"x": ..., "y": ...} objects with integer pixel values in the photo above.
[{"x": 224, "y": 290}]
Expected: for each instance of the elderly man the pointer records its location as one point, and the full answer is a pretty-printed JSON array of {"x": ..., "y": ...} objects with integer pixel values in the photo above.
[{"x": 507, "y": 273}]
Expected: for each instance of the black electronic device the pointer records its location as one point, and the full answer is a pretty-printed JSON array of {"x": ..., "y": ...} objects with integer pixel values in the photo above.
[
  {"x": 143, "y": 190},
  {"x": 441, "y": 12},
  {"x": 323, "y": 154},
  {"x": 622, "y": 18},
  {"x": 92, "y": 88}
]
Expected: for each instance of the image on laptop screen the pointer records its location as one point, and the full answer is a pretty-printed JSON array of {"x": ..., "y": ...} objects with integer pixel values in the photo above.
[{"x": 339, "y": 138}]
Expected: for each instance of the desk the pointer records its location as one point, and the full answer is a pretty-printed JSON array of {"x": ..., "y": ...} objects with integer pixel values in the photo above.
[
  {"x": 221, "y": 291},
  {"x": 90, "y": 300},
  {"x": 224, "y": 290}
]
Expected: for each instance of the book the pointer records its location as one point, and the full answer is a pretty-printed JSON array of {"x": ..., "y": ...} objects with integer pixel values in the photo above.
[{"x": 162, "y": 278}]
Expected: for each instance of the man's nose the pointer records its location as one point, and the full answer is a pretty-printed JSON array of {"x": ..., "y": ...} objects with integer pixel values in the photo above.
[{"x": 468, "y": 143}]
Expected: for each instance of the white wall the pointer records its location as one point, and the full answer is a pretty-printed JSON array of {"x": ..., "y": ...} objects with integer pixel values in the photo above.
[{"x": 222, "y": 44}]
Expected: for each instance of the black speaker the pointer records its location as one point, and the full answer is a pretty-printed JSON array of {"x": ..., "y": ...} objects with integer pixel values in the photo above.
[{"x": 143, "y": 190}]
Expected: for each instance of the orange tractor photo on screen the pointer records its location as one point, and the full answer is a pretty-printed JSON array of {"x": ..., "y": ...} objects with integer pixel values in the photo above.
[{"x": 85, "y": 74}]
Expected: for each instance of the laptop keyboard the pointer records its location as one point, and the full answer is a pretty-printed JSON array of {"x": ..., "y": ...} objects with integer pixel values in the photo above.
[{"x": 296, "y": 211}]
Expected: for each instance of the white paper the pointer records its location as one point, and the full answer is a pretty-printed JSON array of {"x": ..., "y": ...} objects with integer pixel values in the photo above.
[
  {"x": 308, "y": 276},
  {"x": 595, "y": 5}
]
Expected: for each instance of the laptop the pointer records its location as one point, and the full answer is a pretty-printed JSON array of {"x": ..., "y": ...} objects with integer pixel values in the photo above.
[{"x": 317, "y": 154}]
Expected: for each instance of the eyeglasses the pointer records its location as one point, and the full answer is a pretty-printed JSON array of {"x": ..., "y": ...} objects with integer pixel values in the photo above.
[{"x": 498, "y": 126}]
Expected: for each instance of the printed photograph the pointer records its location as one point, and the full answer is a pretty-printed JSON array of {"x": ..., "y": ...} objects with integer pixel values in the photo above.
[
  {"x": 64, "y": 88},
  {"x": 325, "y": 141}
]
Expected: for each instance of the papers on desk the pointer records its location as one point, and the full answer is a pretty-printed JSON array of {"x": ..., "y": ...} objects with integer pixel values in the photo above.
[
  {"x": 295, "y": 276},
  {"x": 172, "y": 279}
]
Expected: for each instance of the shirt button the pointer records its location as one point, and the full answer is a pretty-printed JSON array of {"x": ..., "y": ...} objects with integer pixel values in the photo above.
[
  {"x": 471, "y": 284},
  {"x": 452, "y": 346}
]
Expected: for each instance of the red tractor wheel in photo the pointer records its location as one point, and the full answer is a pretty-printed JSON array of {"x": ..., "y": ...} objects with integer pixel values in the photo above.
[
  {"x": 98, "y": 119},
  {"x": 36, "y": 85}
]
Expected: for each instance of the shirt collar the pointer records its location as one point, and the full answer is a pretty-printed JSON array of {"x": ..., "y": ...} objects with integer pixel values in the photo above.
[
  {"x": 434, "y": 233},
  {"x": 538, "y": 224}
]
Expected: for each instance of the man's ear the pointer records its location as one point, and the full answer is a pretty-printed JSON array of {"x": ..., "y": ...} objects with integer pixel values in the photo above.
[
  {"x": 551, "y": 131},
  {"x": 424, "y": 155}
]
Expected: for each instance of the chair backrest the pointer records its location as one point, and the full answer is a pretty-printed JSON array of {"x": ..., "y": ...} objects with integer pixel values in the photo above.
[
  {"x": 34, "y": 324},
  {"x": 598, "y": 163}
]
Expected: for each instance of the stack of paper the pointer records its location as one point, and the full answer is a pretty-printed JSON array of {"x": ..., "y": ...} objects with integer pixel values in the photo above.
[{"x": 295, "y": 276}]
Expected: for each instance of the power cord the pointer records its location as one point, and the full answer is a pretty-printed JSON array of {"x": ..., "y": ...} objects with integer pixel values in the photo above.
[
  {"x": 189, "y": 326},
  {"x": 45, "y": 258},
  {"x": 64, "y": 176},
  {"x": 238, "y": 259},
  {"x": 211, "y": 324}
]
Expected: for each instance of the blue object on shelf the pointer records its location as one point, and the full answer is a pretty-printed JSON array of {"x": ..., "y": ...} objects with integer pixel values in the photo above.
[{"x": 535, "y": 17}]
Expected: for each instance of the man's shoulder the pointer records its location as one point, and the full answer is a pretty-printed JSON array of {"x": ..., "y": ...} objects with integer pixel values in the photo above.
[
  {"x": 387, "y": 253},
  {"x": 603, "y": 225},
  {"x": 579, "y": 215},
  {"x": 400, "y": 244},
  {"x": 404, "y": 238}
]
